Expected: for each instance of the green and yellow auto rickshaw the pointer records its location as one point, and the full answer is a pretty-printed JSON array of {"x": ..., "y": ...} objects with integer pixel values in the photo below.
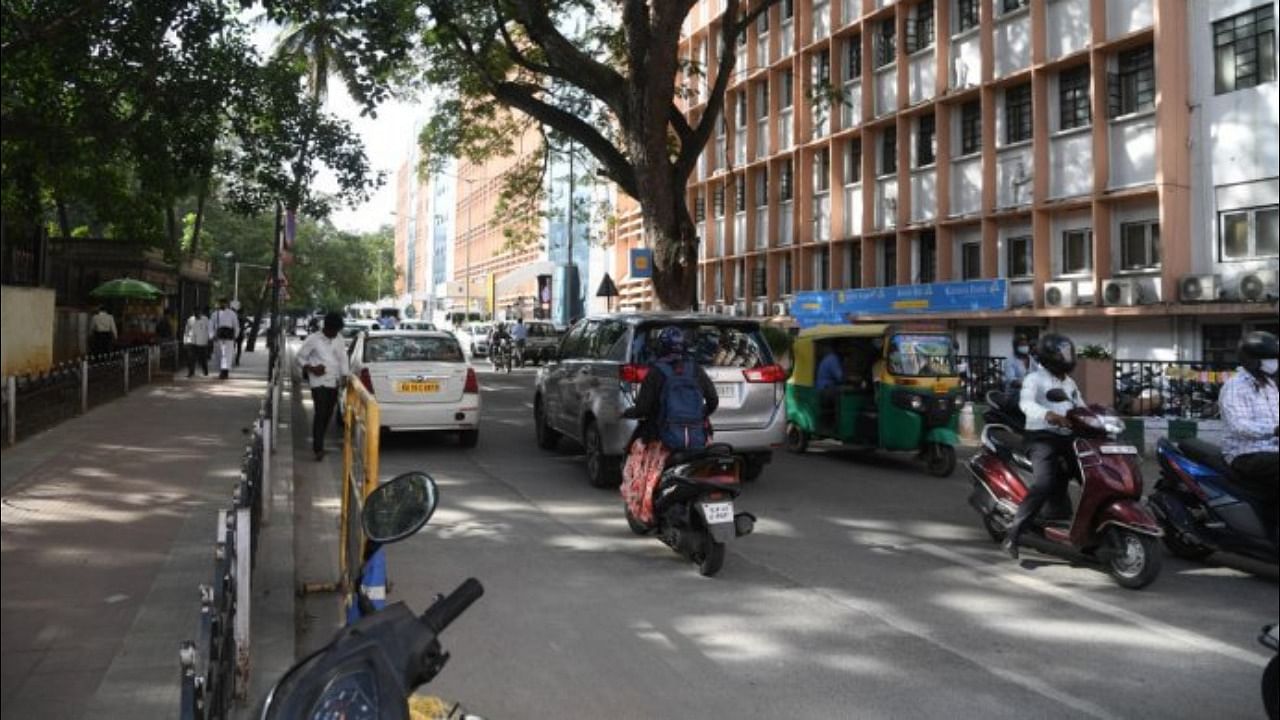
[{"x": 897, "y": 390}]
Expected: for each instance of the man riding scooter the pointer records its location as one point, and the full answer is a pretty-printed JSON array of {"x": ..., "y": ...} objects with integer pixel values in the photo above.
[
  {"x": 1048, "y": 437},
  {"x": 1248, "y": 403}
]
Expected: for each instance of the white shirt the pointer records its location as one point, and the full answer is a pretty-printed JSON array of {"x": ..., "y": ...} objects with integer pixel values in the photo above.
[
  {"x": 225, "y": 318},
  {"x": 1250, "y": 410},
  {"x": 329, "y": 352},
  {"x": 103, "y": 323},
  {"x": 196, "y": 331},
  {"x": 1035, "y": 405}
]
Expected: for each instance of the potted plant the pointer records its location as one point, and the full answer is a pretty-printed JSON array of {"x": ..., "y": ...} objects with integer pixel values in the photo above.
[{"x": 1095, "y": 374}]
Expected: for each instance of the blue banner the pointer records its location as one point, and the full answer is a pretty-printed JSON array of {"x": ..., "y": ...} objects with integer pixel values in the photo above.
[
  {"x": 818, "y": 307},
  {"x": 641, "y": 263}
]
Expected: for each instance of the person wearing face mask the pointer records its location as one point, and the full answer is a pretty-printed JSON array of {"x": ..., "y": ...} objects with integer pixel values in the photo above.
[
  {"x": 1018, "y": 367},
  {"x": 1248, "y": 404}
]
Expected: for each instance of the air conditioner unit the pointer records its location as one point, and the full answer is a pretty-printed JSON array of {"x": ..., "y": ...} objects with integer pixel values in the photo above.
[
  {"x": 740, "y": 307},
  {"x": 781, "y": 308},
  {"x": 759, "y": 308},
  {"x": 729, "y": 310},
  {"x": 1199, "y": 288},
  {"x": 1123, "y": 291},
  {"x": 1060, "y": 294},
  {"x": 1258, "y": 286}
]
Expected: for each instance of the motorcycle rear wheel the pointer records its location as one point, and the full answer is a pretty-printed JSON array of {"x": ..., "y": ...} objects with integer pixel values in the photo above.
[
  {"x": 713, "y": 560},
  {"x": 1134, "y": 560}
]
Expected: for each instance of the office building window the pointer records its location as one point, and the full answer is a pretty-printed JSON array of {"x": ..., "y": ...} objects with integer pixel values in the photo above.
[
  {"x": 788, "y": 9},
  {"x": 1221, "y": 343},
  {"x": 970, "y": 128},
  {"x": 740, "y": 194},
  {"x": 822, "y": 269},
  {"x": 739, "y": 279},
  {"x": 822, "y": 68},
  {"x": 762, "y": 102},
  {"x": 920, "y": 27},
  {"x": 1244, "y": 50},
  {"x": 1248, "y": 233},
  {"x": 886, "y": 38},
  {"x": 928, "y": 257},
  {"x": 740, "y": 109},
  {"x": 717, "y": 200},
  {"x": 1133, "y": 88},
  {"x": 1073, "y": 98},
  {"x": 785, "y": 191},
  {"x": 888, "y": 151},
  {"x": 699, "y": 209},
  {"x": 759, "y": 278},
  {"x": 785, "y": 99},
  {"x": 966, "y": 14},
  {"x": 853, "y": 265},
  {"x": 926, "y": 132},
  {"x": 971, "y": 261},
  {"x": 1020, "y": 257},
  {"x": 1077, "y": 251},
  {"x": 889, "y": 271},
  {"x": 1140, "y": 245},
  {"x": 853, "y": 161},
  {"x": 784, "y": 275},
  {"x": 1009, "y": 6},
  {"x": 762, "y": 189},
  {"x": 762, "y": 23},
  {"x": 718, "y": 274},
  {"x": 853, "y": 58},
  {"x": 1017, "y": 113},
  {"x": 822, "y": 170},
  {"x": 978, "y": 342}
]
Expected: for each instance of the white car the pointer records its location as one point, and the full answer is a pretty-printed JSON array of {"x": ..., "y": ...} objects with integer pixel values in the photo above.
[{"x": 422, "y": 381}]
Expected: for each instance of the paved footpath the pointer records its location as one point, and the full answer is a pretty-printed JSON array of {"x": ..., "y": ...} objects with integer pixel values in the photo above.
[{"x": 108, "y": 522}]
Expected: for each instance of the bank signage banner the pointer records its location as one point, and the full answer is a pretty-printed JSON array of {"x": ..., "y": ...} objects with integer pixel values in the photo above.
[
  {"x": 641, "y": 263},
  {"x": 819, "y": 307}
]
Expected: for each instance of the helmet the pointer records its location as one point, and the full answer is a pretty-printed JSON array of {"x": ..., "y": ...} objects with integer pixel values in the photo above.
[
  {"x": 1256, "y": 347},
  {"x": 670, "y": 341},
  {"x": 1056, "y": 353}
]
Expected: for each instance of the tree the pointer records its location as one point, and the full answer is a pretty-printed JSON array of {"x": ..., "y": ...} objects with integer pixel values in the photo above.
[{"x": 607, "y": 81}]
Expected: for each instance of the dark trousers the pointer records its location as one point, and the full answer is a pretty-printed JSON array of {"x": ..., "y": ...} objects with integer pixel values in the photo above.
[
  {"x": 1259, "y": 473},
  {"x": 325, "y": 399},
  {"x": 1043, "y": 450},
  {"x": 101, "y": 342},
  {"x": 829, "y": 402},
  {"x": 197, "y": 353}
]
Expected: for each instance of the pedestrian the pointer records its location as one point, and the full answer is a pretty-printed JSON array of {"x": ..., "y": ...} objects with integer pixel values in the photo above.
[
  {"x": 102, "y": 332},
  {"x": 195, "y": 336},
  {"x": 324, "y": 363},
  {"x": 225, "y": 323},
  {"x": 241, "y": 326},
  {"x": 1250, "y": 407}
]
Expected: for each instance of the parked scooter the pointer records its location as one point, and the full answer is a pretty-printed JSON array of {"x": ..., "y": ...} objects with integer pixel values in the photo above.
[
  {"x": 1109, "y": 523},
  {"x": 693, "y": 506},
  {"x": 370, "y": 668},
  {"x": 1203, "y": 508}
]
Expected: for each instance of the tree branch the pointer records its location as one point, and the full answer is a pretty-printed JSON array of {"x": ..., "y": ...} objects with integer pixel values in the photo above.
[{"x": 570, "y": 63}]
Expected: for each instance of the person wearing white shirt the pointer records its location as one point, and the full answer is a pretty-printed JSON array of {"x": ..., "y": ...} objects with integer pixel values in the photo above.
[
  {"x": 195, "y": 338},
  {"x": 102, "y": 332},
  {"x": 1018, "y": 367},
  {"x": 1250, "y": 408},
  {"x": 225, "y": 323},
  {"x": 324, "y": 363},
  {"x": 1047, "y": 435}
]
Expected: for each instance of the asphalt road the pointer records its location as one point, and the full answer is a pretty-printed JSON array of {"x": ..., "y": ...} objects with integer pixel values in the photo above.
[{"x": 868, "y": 590}]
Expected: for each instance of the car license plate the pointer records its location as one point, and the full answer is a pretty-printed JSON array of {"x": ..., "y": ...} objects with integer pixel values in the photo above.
[
  {"x": 727, "y": 390},
  {"x": 1118, "y": 450},
  {"x": 718, "y": 512},
  {"x": 417, "y": 386}
]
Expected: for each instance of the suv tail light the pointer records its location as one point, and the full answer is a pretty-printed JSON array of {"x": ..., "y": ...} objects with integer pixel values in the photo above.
[
  {"x": 633, "y": 373},
  {"x": 472, "y": 385},
  {"x": 765, "y": 374},
  {"x": 368, "y": 381}
]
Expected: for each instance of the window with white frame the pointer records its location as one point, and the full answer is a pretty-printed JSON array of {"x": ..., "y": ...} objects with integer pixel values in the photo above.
[
  {"x": 889, "y": 151},
  {"x": 853, "y": 58},
  {"x": 785, "y": 96},
  {"x": 762, "y": 189},
  {"x": 1073, "y": 98},
  {"x": 699, "y": 209},
  {"x": 822, "y": 269},
  {"x": 853, "y": 161},
  {"x": 717, "y": 200},
  {"x": 926, "y": 257},
  {"x": 1133, "y": 87},
  {"x": 1020, "y": 260},
  {"x": 1008, "y": 6},
  {"x": 1244, "y": 50},
  {"x": 762, "y": 100},
  {"x": 785, "y": 189},
  {"x": 1248, "y": 233},
  {"x": 784, "y": 274},
  {"x": 1140, "y": 245},
  {"x": 885, "y": 43},
  {"x": 853, "y": 265},
  {"x": 889, "y": 262},
  {"x": 718, "y": 274},
  {"x": 920, "y": 27},
  {"x": 740, "y": 110},
  {"x": 822, "y": 170},
  {"x": 759, "y": 278},
  {"x": 966, "y": 15},
  {"x": 1077, "y": 251},
  {"x": 740, "y": 194},
  {"x": 1017, "y": 113},
  {"x": 739, "y": 279},
  {"x": 971, "y": 261},
  {"x": 926, "y": 140},
  {"x": 970, "y": 128}
]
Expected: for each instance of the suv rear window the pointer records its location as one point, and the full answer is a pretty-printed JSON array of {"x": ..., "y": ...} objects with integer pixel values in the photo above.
[
  {"x": 738, "y": 346},
  {"x": 542, "y": 330},
  {"x": 412, "y": 349}
]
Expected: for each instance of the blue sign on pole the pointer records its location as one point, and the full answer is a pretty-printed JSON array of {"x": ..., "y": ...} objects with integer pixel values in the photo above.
[
  {"x": 641, "y": 263},
  {"x": 838, "y": 306}
]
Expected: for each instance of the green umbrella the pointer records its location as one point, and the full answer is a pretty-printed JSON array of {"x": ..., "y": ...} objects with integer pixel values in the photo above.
[{"x": 126, "y": 288}]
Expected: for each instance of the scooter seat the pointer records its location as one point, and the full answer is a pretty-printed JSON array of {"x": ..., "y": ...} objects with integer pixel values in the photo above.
[
  {"x": 679, "y": 457},
  {"x": 1007, "y": 446}
]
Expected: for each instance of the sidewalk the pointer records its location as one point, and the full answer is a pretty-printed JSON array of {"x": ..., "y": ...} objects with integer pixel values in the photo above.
[{"x": 108, "y": 523}]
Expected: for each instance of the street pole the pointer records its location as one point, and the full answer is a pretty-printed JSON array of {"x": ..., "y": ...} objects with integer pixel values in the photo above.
[{"x": 235, "y": 287}]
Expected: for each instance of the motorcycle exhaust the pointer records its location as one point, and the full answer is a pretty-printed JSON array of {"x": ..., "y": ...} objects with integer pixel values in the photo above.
[{"x": 744, "y": 523}]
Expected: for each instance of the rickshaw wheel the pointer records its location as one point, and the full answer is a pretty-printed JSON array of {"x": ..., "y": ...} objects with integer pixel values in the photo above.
[
  {"x": 940, "y": 459},
  {"x": 797, "y": 438}
]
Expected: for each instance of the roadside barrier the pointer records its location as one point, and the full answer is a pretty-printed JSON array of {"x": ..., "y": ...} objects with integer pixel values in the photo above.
[
  {"x": 39, "y": 401},
  {"x": 215, "y": 667}
]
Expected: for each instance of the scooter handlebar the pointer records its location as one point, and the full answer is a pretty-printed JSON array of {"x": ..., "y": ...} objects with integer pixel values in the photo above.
[{"x": 447, "y": 609}]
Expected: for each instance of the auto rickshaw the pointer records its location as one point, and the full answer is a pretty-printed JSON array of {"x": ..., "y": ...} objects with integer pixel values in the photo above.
[{"x": 901, "y": 391}]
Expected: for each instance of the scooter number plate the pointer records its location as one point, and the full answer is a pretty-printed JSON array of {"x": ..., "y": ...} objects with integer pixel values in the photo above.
[
  {"x": 721, "y": 512},
  {"x": 1118, "y": 450}
]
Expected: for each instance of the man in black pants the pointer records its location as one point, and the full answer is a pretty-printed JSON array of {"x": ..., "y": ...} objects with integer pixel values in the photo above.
[
  {"x": 1047, "y": 436},
  {"x": 324, "y": 363}
]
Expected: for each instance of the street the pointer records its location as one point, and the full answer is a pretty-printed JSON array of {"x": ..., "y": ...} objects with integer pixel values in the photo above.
[{"x": 869, "y": 590}]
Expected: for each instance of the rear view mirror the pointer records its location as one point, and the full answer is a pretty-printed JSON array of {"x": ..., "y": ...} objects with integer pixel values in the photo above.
[
  {"x": 399, "y": 507},
  {"x": 1056, "y": 395}
]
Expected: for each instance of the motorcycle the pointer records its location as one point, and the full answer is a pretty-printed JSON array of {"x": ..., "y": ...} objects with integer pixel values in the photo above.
[
  {"x": 693, "y": 506},
  {"x": 371, "y": 667},
  {"x": 500, "y": 354},
  {"x": 1270, "y": 639},
  {"x": 1200, "y": 504},
  {"x": 1109, "y": 523}
]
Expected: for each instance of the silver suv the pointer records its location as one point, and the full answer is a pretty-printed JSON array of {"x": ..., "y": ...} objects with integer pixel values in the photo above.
[{"x": 600, "y": 364}]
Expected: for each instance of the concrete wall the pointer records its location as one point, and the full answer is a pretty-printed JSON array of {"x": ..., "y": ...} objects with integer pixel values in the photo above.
[
  {"x": 26, "y": 316},
  {"x": 966, "y": 185},
  {"x": 924, "y": 195},
  {"x": 1133, "y": 151},
  {"x": 1071, "y": 163}
]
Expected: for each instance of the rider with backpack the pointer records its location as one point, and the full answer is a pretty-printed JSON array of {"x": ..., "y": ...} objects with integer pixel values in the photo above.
[{"x": 674, "y": 404}]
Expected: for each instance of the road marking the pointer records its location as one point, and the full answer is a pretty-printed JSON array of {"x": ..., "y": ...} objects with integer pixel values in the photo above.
[{"x": 1074, "y": 597}]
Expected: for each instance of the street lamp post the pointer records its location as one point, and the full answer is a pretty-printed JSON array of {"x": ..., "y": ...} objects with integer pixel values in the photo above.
[{"x": 235, "y": 287}]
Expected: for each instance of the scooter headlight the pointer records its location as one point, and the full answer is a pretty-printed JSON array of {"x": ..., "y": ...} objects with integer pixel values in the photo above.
[{"x": 917, "y": 403}]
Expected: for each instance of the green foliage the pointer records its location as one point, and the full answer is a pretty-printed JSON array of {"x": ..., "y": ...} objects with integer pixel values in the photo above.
[
  {"x": 1095, "y": 352},
  {"x": 779, "y": 340}
]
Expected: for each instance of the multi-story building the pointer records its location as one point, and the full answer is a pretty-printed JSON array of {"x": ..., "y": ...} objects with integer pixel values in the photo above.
[
  {"x": 1115, "y": 161},
  {"x": 423, "y": 229}
]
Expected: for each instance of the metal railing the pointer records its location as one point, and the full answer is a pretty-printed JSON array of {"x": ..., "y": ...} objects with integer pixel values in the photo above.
[
  {"x": 215, "y": 667},
  {"x": 1172, "y": 389},
  {"x": 37, "y": 402},
  {"x": 979, "y": 375}
]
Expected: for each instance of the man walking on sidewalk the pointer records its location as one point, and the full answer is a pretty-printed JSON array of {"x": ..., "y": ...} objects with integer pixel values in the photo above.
[
  {"x": 225, "y": 323},
  {"x": 196, "y": 339},
  {"x": 324, "y": 363},
  {"x": 102, "y": 332}
]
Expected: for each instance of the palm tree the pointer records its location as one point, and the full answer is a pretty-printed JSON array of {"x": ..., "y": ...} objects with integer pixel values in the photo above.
[{"x": 319, "y": 42}]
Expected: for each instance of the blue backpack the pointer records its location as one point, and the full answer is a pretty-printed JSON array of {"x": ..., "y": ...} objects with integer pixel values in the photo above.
[{"x": 681, "y": 423}]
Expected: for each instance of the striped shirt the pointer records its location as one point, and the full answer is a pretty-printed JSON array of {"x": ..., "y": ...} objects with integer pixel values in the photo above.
[{"x": 1251, "y": 411}]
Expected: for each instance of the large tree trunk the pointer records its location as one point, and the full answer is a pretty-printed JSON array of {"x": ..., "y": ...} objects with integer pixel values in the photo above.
[
  {"x": 675, "y": 242},
  {"x": 195, "y": 230}
]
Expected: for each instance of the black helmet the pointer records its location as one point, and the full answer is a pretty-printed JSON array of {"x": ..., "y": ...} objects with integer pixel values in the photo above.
[
  {"x": 1256, "y": 347},
  {"x": 1056, "y": 353}
]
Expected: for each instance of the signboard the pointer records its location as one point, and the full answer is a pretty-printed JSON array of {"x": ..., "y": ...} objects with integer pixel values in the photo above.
[
  {"x": 840, "y": 306},
  {"x": 641, "y": 263}
]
